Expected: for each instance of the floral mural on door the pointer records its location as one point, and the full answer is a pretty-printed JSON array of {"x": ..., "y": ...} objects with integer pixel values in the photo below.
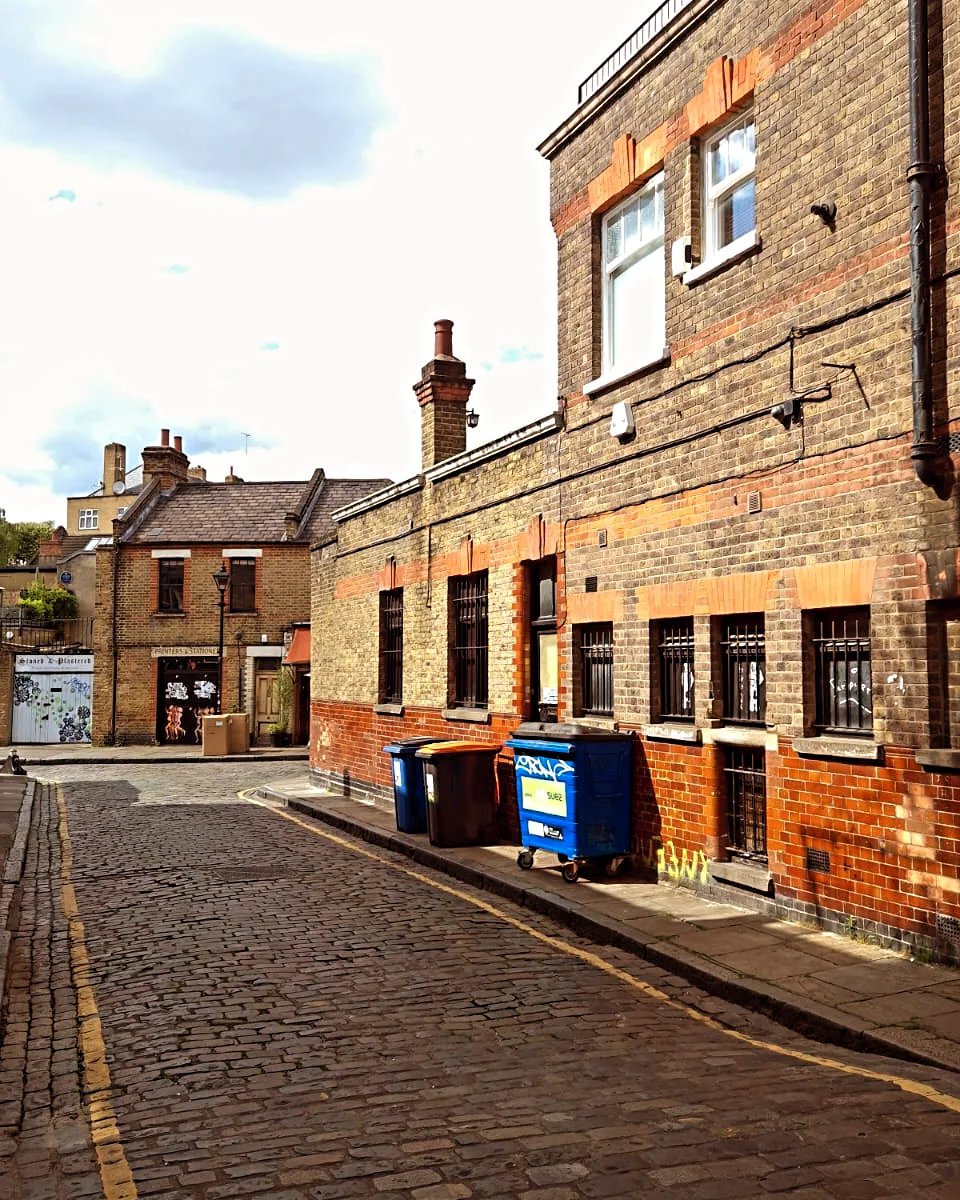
[{"x": 52, "y": 698}]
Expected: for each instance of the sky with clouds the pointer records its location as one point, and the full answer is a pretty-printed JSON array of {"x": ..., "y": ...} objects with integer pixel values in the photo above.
[{"x": 239, "y": 221}]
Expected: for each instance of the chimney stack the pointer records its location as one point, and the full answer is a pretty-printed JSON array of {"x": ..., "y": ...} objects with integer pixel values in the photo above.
[
  {"x": 114, "y": 466},
  {"x": 443, "y": 393},
  {"x": 165, "y": 462}
]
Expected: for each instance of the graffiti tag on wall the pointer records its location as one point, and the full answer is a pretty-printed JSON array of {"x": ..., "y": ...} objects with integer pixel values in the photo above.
[{"x": 689, "y": 864}]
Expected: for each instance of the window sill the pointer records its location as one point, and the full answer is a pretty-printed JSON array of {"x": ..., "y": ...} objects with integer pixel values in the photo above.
[
  {"x": 939, "y": 759},
  {"x": 479, "y": 716},
  {"x": 743, "y": 247},
  {"x": 166, "y": 616},
  {"x": 750, "y": 876},
  {"x": 388, "y": 710},
  {"x": 621, "y": 375},
  {"x": 665, "y": 732},
  {"x": 863, "y": 750},
  {"x": 242, "y": 612},
  {"x": 594, "y": 722},
  {"x": 736, "y": 735}
]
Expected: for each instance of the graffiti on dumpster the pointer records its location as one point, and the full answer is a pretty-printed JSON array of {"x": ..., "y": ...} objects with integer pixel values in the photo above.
[
  {"x": 543, "y": 768},
  {"x": 691, "y": 864}
]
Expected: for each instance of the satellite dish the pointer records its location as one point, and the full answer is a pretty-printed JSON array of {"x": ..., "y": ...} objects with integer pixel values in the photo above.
[{"x": 119, "y": 488}]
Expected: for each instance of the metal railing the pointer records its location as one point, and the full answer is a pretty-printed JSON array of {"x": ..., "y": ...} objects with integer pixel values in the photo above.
[
  {"x": 658, "y": 20},
  {"x": 54, "y": 637}
]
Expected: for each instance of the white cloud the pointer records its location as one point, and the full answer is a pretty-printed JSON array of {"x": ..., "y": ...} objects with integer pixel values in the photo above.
[{"x": 148, "y": 301}]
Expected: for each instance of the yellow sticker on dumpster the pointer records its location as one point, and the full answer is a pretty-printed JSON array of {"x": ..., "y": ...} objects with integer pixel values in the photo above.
[{"x": 544, "y": 796}]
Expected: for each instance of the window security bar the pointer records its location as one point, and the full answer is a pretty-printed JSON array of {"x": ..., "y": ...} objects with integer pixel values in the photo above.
[
  {"x": 841, "y": 645},
  {"x": 391, "y": 610},
  {"x": 596, "y": 666},
  {"x": 746, "y": 802},
  {"x": 470, "y": 640},
  {"x": 676, "y": 670},
  {"x": 743, "y": 648}
]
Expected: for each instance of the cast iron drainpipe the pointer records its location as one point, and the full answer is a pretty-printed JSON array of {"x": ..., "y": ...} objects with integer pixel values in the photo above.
[{"x": 920, "y": 175}]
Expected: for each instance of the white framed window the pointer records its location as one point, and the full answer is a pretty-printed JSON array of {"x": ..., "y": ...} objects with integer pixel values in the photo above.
[
  {"x": 89, "y": 518},
  {"x": 634, "y": 282},
  {"x": 729, "y": 205}
]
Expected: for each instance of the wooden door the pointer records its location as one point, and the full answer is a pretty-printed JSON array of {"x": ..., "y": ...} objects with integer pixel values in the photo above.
[{"x": 266, "y": 711}]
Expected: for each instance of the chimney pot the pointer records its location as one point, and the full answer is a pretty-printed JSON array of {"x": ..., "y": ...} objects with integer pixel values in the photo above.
[
  {"x": 164, "y": 437},
  {"x": 443, "y": 339},
  {"x": 178, "y": 444}
]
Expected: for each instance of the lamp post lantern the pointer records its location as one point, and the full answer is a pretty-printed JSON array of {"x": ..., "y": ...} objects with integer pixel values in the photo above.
[{"x": 221, "y": 577}]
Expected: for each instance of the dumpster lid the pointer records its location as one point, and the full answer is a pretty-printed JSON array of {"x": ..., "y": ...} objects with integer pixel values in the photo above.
[
  {"x": 564, "y": 731},
  {"x": 435, "y": 748},
  {"x": 406, "y": 743}
]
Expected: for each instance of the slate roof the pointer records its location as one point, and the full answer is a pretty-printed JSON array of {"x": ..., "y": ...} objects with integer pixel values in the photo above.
[{"x": 247, "y": 513}]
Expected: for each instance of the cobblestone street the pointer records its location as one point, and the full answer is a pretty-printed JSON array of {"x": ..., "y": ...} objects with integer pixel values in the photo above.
[{"x": 266, "y": 1008}]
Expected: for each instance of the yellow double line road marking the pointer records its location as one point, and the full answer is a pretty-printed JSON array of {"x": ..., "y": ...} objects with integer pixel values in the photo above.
[
  {"x": 115, "y": 1174},
  {"x": 116, "y": 1178}
]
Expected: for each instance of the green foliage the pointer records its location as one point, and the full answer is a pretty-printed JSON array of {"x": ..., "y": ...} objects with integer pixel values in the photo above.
[
  {"x": 19, "y": 539},
  {"x": 283, "y": 693},
  {"x": 42, "y": 603}
]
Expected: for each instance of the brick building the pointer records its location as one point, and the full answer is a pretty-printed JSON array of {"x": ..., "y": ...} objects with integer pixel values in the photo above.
[
  {"x": 157, "y": 628},
  {"x": 737, "y": 538}
]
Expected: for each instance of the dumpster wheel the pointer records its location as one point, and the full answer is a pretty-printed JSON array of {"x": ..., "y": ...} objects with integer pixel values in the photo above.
[
  {"x": 571, "y": 870},
  {"x": 525, "y": 860}
]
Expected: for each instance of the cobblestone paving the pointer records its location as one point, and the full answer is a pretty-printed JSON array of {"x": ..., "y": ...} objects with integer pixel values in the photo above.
[{"x": 287, "y": 1018}]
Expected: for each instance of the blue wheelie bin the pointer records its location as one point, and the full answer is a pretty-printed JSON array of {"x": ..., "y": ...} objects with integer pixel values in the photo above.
[
  {"x": 574, "y": 786},
  {"x": 409, "y": 797}
]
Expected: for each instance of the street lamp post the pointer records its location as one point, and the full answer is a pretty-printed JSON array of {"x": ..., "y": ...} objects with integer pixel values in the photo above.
[{"x": 221, "y": 577}]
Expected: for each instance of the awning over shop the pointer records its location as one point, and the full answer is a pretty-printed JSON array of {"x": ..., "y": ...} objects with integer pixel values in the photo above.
[{"x": 299, "y": 652}]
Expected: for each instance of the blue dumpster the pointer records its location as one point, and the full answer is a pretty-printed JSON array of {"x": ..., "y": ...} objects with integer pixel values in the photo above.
[
  {"x": 574, "y": 787},
  {"x": 409, "y": 798}
]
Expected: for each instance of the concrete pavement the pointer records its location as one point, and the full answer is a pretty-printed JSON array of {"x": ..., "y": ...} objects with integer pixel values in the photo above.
[{"x": 839, "y": 989}]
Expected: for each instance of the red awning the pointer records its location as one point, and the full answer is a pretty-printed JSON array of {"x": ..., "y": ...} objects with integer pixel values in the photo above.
[{"x": 299, "y": 651}]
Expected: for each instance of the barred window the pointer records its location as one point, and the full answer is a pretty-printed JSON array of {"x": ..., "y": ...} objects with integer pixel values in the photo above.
[
  {"x": 841, "y": 647},
  {"x": 243, "y": 593},
  {"x": 391, "y": 646},
  {"x": 745, "y": 774},
  {"x": 675, "y": 654},
  {"x": 469, "y": 650},
  {"x": 170, "y": 585},
  {"x": 596, "y": 669},
  {"x": 743, "y": 653}
]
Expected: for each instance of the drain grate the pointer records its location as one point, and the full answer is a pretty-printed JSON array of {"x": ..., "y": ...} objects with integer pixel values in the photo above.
[{"x": 818, "y": 860}]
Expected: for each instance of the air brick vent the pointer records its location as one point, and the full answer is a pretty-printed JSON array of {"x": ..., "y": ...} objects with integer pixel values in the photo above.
[
  {"x": 949, "y": 929},
  {"x": 590, "y": 583},
  {"x": 753, "y": 502},
  {"x": 818, "y": 860}
]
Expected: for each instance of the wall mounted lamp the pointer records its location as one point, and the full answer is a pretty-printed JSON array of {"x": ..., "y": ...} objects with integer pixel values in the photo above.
[{"x": 473, "y": 418}]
